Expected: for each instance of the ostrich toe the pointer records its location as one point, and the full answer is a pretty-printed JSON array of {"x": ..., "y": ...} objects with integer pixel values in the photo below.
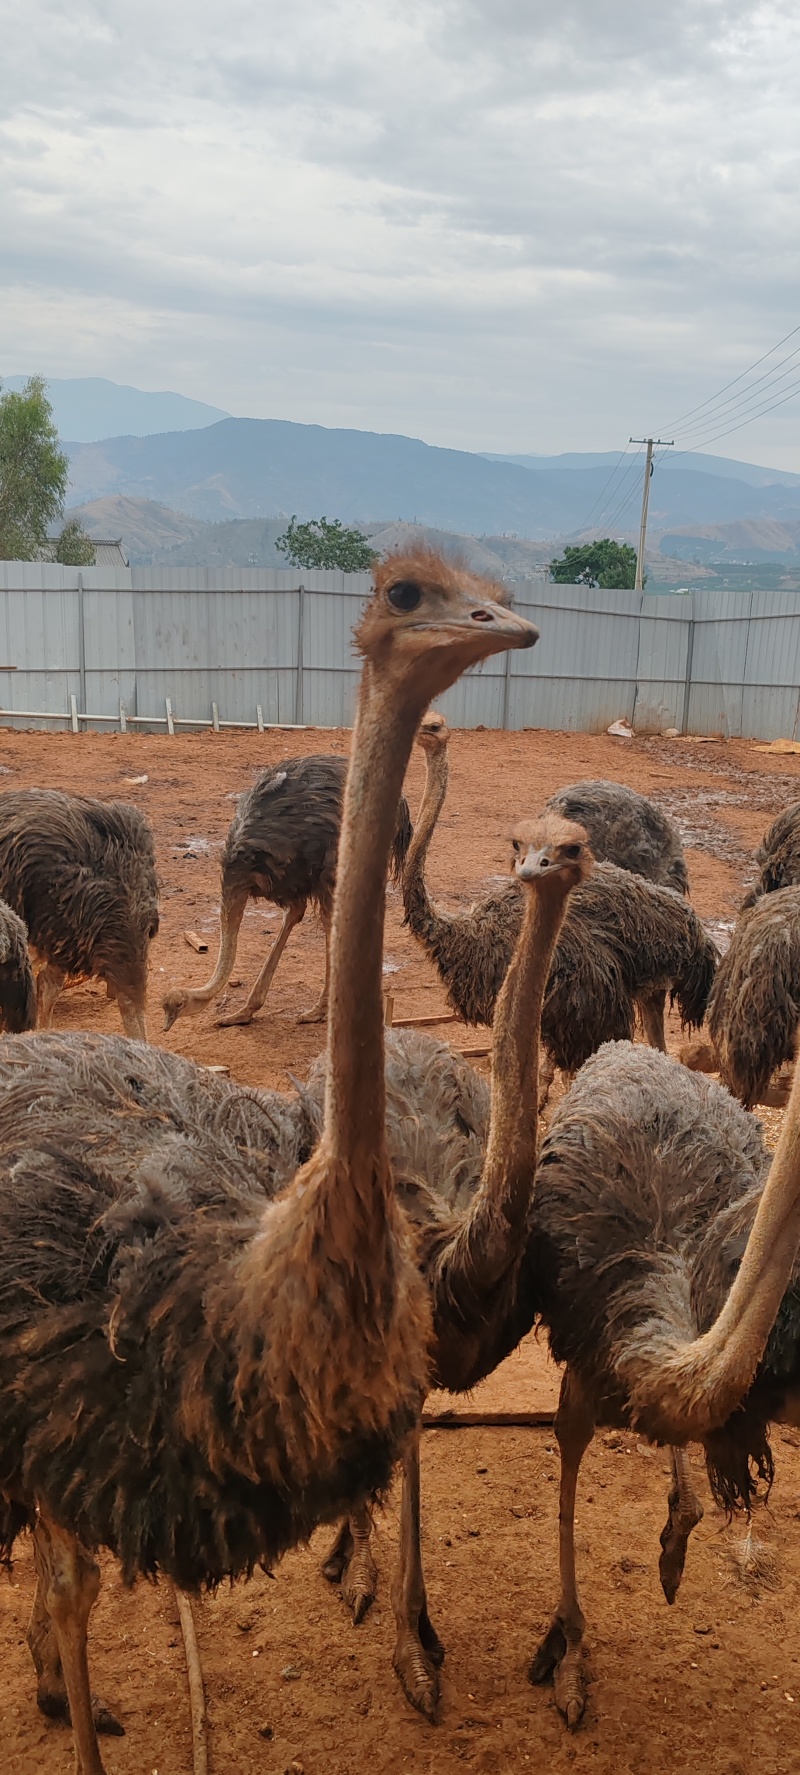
[
  {"x": 336, "y": 1560},
  {"x": 316, "y": 1014},
  {"x": 54, "y": 1704},
  {"x": 360, "y": 1583},
  {"x": 245, "y": 1015},
  {"x": 418, "y": 1674},
  {"x": 560, "y": 1656}
]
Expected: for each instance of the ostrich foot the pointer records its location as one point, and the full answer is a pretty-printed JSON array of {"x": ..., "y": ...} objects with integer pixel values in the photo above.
[
  {"x": 418, "y": 1656},
  {"x": 336, "y": 1560},
  {"x": 561, "y": 1656},
  {"x": 360, "y": 1583},
  {"x": 674, "y": 1540},
  {"x": 317, "y": 1013},
  {"x": 54, "y": 1704},
  {"x": 245, "y": 1015}
]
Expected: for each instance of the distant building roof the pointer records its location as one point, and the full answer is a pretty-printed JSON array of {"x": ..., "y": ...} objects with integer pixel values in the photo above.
[{"x": 109, "y": 552}]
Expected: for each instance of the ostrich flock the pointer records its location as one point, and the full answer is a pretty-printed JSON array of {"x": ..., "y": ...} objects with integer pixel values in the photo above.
[{"x": 221, "y": 1308}]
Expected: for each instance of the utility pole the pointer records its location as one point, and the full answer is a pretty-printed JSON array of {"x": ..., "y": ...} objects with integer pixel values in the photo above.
[{"x": 652, "y": 443}]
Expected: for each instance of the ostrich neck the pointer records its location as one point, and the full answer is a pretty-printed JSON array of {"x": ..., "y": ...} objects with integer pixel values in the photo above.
[
  {"x": 355, "y": 1095},
  {"x": 421, "y": 914},
  {"x": 499, "y": 1212}
]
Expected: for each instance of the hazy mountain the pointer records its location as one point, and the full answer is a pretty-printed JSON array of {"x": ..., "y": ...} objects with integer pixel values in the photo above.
[
  {"x": 671, "y": 463},
  {"x": 265, "y": 468},
  {"x": 89, "y": 407}
]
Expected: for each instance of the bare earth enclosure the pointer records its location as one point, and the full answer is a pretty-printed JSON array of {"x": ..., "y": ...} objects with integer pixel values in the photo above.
[{"x": 711, "y": 1686}]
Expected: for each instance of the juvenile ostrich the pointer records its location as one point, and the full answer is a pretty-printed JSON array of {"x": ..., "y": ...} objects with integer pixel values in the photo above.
[
  {"x": 82, "y": 876},
  {"x": 471, "y": 1208},
  {"x": 281, "y": 846},
  {"x": 778, "y": 856},
  {"x": 624, "y": 941},
  {"x": 646, "y": 1192},
  {"x": 17, "y": 989},
  {"x": 195, "y": 1391},
  {"x": 626, "y": 828}
]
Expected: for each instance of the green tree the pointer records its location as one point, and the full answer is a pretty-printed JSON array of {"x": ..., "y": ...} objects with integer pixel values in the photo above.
[
  {"x": 600, "y": 563},
  {"x": 321, "y": 543},
  {"x": 33, "y": 472},
  {"x": 73, "y": 548}
]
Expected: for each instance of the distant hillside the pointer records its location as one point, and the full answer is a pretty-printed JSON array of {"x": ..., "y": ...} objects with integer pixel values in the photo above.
[
  {"x": 750, "y": 539},
  {"x": 696, "y": 460},
  {"x": 268, "y": 468},
  {"x": 89, "y": 407}
]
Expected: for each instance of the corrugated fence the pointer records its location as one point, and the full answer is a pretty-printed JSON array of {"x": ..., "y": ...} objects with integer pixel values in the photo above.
[{"x": 198, "y": 647}]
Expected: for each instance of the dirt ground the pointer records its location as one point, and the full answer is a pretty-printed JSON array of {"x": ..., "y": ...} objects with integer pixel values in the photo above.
[{"x": 711, "y": 1686}]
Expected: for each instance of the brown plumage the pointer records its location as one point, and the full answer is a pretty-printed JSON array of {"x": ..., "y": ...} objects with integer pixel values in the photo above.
[
  {"x": 17, "y": 989},
  {"x": 754, "y": 1009},
  {"x": 82, "y": 876},
  {"x": 626, "y": 828},
  {"x": 624, "y": 941},
  {"x": 778, "y": 856},
  {"x": 195, "y": 1387},
  {"x": 281, "y": 846},
  {"x": 646, "y": 1193}
]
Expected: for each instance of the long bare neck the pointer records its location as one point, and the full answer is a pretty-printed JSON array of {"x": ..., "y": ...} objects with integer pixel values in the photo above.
[
  {"x": 499, "y": 1211},
  {"x": 355, "y": 1097},
  {"x": 420, "y": 912}
]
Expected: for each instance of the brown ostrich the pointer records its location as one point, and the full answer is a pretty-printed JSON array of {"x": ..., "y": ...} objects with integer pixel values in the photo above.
[
  {"x": 471, "y": 1209},
  {"x": 626, "y": 828},
  {"x": 648, "y": 1187},
  {"x": 625, "y": 942},
  {"x": 17, "y": 989},
  {"x": 195, "y": 1391},
  {"x": 82, "y": 876},
  {"x": 778, "y": 856},
  {"x": 281, "y": 847},
  {"x": 754, "y": 1008}
]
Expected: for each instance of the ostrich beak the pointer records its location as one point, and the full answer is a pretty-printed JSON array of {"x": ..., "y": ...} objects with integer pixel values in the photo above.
[{"x": 534, "y": 863}]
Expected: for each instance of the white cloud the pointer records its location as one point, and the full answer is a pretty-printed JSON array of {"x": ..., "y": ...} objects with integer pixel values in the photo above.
[{"x": 491, "y": 223}]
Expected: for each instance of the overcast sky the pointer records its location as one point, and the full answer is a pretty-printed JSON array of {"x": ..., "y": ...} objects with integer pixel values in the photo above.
[{"x": 494, "y": 224}]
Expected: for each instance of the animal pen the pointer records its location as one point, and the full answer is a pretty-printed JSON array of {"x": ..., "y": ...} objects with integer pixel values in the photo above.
[{"x": 200, "y": 648}]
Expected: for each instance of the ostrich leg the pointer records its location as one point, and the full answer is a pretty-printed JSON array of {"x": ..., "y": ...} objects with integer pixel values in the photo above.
[
  {"x": 559, "y": 1654},
  {"x": 51, "y": 1692},
  {"x": 685, "y": 1511},
  {"x": 258, "y": 991},
  {"x": 350, "y": 1563},
  {"x": 319, "y": 1011},
  {"x": 418, "y": 1649},
  {"x": 651, "y": 1010},
  {"x": 49, "y": 982},
  {"x": 69, "y": 1580}
]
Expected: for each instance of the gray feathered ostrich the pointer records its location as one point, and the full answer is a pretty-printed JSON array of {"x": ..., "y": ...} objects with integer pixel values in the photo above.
[
  {"x": 778, "y": 856},
  {"x": 471, "y": 1208},
  {"x": 281, "y": 846},
  {"x": 624, "y": 941},
  {"x": 754, "y": 1008},
  {"x": 626, "y": 828},
  {"x": 195, "y": 1391},
  {"x": 17, "y": 989},
  {"x": 646, "y": 1192},
  {"x": 81, "y": 874}
]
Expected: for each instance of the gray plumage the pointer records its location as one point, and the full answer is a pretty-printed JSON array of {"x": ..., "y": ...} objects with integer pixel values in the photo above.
[
  {"x": 17, "y": 990},
  {"x": 627, "y": 829},
  {"x": 778, "y": 856},
  {"x": 754, "y": 1009}
]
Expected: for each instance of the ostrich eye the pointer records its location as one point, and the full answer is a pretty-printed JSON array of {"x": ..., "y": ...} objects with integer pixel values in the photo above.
[
  {"x": 515, "y": 844},
  {"x": 405, "y": 595},
  {"x": 571, "y": 850}
]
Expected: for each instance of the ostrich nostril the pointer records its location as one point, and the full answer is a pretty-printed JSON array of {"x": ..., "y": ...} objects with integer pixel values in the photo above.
[{"x": 482, "y": 616}]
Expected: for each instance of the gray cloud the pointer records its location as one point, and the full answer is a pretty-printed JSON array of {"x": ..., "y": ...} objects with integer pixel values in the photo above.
[{"x": 491, "y": 223}]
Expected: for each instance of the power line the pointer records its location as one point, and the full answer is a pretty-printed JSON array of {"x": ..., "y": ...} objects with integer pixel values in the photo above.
[
  {"x": 700, "y": 443},
  {"x": 674, "y": 423},
  {"x": 601, "y": 495}
]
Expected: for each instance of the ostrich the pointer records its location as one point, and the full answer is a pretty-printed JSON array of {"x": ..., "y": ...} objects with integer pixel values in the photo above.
[
  {"x": 281, "y": 846},
  {"x": 17, "y": 989},
  {"x": 754, "y": 1008},
  {"x": 195, "y": 1391},
  {"x": 82, "y": 876},
  {"x": 625, "y": 940},
  {"x": 471, "y": 1208},
  {"x": 627, "y": 829},
  {"x": 646, "y": 1191},
  {"x": 778, "y": 856}
]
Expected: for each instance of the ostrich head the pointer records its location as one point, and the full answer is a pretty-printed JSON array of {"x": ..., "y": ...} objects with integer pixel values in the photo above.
[
  {"x": 551, "y": 849},
  {"x": 433, "y": 733},
  {"x": 427, "y": 622}
]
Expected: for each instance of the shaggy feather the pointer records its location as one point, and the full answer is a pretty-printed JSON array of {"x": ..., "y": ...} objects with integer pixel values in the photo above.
[
  {"x": 646, "y": 1190},
  {"x": 754, "y": 1007},
  {"x": 627, "y": 829},
  {"x": 17, "y": 989},
  {"x": 82, "y": 876},
  {"x": 778, "y": 856}
]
